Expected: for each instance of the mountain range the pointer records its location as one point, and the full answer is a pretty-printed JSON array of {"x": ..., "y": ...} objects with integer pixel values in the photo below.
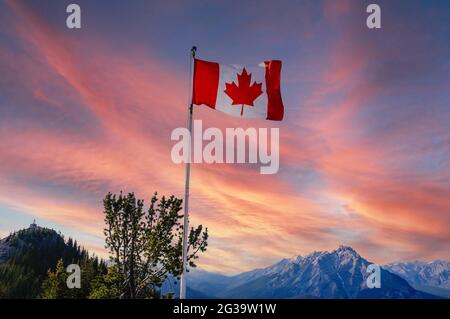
[
  {"x": 432, "y": 277},
  {"x": 340, "y": 273},
  {"x": 26, "y": 255}
]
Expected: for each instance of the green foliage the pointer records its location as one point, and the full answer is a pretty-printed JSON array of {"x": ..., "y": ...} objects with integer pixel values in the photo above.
[
  {"x": 54, "y": 286},
  {"x": 33, "y": 252},
  {"x": 146, "y": 246},
  {"x": 106, "y": 287}
]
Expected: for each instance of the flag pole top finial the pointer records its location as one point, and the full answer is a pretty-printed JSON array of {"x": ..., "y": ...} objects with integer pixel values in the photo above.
[{"x": 193, "y": 50}]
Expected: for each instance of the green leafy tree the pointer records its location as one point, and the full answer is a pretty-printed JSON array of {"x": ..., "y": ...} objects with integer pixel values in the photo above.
[{"x": 145, "y": 245}]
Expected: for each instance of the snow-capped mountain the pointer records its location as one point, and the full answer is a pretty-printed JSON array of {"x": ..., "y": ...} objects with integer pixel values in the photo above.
[
  {"x": 432, "y": 277},
  {"x": 340, "y": 273}
]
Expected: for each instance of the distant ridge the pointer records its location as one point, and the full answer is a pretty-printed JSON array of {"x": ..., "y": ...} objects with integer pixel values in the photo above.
[
  {"x": 340, "y": 273},
  {"x": 432, "y": 277}
]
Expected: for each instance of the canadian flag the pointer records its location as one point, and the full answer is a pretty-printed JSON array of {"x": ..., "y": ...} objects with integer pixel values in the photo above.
[{"x": 239, "y": 91}]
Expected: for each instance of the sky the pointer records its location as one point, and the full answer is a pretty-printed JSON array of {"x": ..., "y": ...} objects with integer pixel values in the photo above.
[{"x": 364, "y": 145}]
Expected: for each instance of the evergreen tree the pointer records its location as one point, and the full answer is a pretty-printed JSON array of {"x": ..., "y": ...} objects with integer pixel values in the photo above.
[
  {"x": 36, "y": 252},
  {"x": 54, "y": 287}
]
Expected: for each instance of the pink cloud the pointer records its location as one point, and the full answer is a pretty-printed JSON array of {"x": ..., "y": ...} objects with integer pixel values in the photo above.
[{"x": 135, "y": 101}]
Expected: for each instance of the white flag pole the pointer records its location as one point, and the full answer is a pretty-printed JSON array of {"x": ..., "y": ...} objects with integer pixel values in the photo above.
[{"x": 188, "y": 172}]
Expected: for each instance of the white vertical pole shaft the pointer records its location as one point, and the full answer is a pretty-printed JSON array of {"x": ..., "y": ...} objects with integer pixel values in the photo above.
[{"x": 188, "y": 173}]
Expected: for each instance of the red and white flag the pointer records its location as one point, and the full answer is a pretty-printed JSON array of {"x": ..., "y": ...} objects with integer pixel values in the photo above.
[{"x": 239, "y": 91}]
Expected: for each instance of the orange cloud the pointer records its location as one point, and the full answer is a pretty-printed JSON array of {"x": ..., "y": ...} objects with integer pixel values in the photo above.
[{"x": 335, "y": 184}]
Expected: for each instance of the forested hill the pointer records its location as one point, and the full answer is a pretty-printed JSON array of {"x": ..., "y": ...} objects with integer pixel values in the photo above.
[{"x": 28, "y": 254}]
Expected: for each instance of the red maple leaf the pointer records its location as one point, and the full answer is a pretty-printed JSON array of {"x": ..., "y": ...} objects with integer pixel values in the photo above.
[{"x": 243, "y": 93}]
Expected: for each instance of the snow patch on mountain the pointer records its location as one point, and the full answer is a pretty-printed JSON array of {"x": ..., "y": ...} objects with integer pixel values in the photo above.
[
  {"x": 426, "y": 276},
  {"x": 340, "y": 273}
]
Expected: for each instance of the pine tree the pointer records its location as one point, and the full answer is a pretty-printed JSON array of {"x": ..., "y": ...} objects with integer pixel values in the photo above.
[
  {"x": 54, "y": 287},
  {"x": 36, "y": 253}
]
